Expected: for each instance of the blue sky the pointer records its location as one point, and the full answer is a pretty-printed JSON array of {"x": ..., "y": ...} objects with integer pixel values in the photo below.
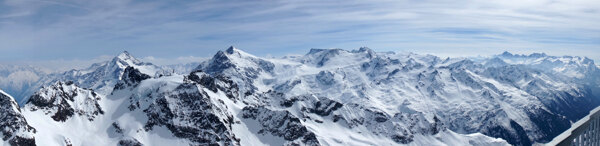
[{"x": 89, "y": 30}]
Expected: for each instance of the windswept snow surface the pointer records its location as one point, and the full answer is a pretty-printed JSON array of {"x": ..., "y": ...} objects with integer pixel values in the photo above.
[{"x": 325, "y": 97}]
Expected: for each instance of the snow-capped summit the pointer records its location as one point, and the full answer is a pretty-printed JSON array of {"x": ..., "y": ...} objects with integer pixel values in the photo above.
[
  {"x": 125, "y": 60},
  {"x": 242, "y": 68},
  {"x": 125, "y": 56},
  {"x": 231, "y": 57}
]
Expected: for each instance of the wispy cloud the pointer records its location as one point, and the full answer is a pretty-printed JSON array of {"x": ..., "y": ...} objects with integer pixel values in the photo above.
[{"x": 47, "y": 30}]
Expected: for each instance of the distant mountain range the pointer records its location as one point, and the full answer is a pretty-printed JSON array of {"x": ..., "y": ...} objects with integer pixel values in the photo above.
[{"x": 325, "y": 97}]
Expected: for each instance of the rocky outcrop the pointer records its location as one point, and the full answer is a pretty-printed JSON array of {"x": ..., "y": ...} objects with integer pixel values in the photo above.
[
  {"x": 64, "y": 100},
  {"x": 191, "y": 114},
  {"x": 13, "y": 126},
  {"x": 281, "y": 124}
]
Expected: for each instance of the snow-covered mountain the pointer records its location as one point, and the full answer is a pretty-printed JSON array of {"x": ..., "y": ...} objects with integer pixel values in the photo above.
[
  {"x": 325, "y": 97},
  {"x": 15, "y": 79},
  {"x": 101, "y": 77}
]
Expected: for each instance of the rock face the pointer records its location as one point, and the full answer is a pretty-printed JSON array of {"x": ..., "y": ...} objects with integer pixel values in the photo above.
[
  {"x": 63, "y": 100},
  {"x": 190, "y": 113},
  {"x": 131, "y": 77},
  {"x": 281, "y": 124},
  {"x": 14, "y": 128}
]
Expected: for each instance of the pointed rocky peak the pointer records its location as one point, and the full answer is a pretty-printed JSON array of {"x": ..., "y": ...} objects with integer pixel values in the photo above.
[
  {"x": 231, "y": 58},
  {"x": 231, "y": 50},
  {"x": 232, "y": 53},
  {"x": 219, "y": 61},
  {"x": 126, "y": 59},
  {"x": 124, "y": 55}
]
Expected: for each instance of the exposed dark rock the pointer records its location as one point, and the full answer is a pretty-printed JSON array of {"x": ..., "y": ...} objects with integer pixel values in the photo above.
[
  {"x": 204, "y": 122},
  {"x": 282, "y": 124},
  {"x": 131, "y": 77},
  {"x": 129, "y": 142},
  {"x": 216, "y": 83},
  {"x": 518, "y": 136},
  {"x": 325, "y": 106},
  {"x": 13, "y": 125},
  {"x": 21, "y": 141},
  {"x": 59, "y": 100}
]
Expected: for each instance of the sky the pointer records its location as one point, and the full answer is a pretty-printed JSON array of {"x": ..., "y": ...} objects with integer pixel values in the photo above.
[{"x": 73, "y": 32}]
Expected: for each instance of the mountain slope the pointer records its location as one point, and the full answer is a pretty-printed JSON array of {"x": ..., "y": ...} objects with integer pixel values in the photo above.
[{"x": 15, "y": 129}]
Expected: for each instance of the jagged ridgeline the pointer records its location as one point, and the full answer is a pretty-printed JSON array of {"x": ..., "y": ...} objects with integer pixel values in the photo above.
[{"x": 325, "y": 97}]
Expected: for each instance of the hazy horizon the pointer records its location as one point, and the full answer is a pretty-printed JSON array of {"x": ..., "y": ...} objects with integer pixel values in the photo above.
[{"x": 61, "y": 65}]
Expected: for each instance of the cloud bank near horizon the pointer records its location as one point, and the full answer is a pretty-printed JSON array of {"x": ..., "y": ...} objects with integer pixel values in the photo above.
[{"x": 38, "y": 30}]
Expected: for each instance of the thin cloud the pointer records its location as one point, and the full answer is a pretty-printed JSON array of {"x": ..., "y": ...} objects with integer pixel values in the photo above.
[
  {"x": 172, "y": 61},
  {"x": 53, "y": 30}
]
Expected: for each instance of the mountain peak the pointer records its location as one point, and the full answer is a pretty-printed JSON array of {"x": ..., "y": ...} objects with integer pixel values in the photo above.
[
  {"x": 370, "y": 52},
  {"x": 125, "y": 59},
  {"x": 364, "y": 49},
  {"x": 317, "y": 50},
  {"x": 538, "y": 55},
  {"x": 235, "y": 51},
  {"x": 506, "y": 54},
  {"x": 124, "y": 56},
  {"x": 231, "y": 50}
]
